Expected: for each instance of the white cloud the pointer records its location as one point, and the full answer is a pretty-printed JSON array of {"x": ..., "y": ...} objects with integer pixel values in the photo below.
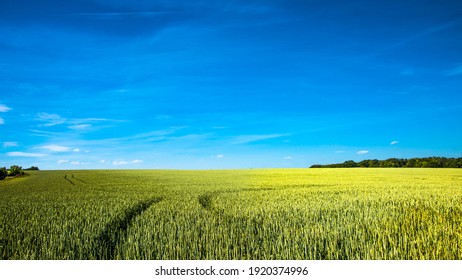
[
  {"x": 102, "y": 161},
  {"x": 2, "y": 121},
  {"x": 56, "y": 148},
  {"x": 76, "y": 150},
  {"x": 288, "y": 157},
  {"x": 22, "y": 154},
  {"x": 4, "y": 108},
  {"x": 119, "y": 162},
  {"x": 75, "y": 162},
  {"x": 50, "y": 119},
  {"x": 62, "y": 161},
  {"x": 10, "y": 144},
  {"x": 137, "y": 161},
  {"x": 394, "y": 142},
  {"x": 220, "y": 156},
  {"x": 80, "y": 126},
  {"x": 362, "y": 152}
]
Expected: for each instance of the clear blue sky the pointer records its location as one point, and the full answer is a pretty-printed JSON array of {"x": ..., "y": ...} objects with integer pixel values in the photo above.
[{"x": 227, "y": 84}]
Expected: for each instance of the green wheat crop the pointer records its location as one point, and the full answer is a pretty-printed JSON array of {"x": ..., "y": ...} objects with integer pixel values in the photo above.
[{"x": 233, "y": 214}]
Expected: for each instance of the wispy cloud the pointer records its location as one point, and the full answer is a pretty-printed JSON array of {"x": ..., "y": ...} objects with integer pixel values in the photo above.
[
  {"x": 362, "y": 152},
  {"x": 75, "y": 162},
  {"x": 154, "y": 135},
  {"x": 137, "y": 161},
  {"x": 422, "y": 34},
  {"x": 10, "y": 144},
  {"x": 220, "y": 156},
  {"x": 80, "y": 126},
  {"x": 456, "y": 71},
  {"x": 50, "y": 119},
  {"x": 62, "y": 161},
  {"x": 394, "y": 142},
  {"x": 4, "y": 108},
  {"x": 23, "y": 154},
  {"x": 42, "y": 133},
  {"x": 288, "y": 158},
  {"x": 119, "y": 162},
  {"x": 2, "y": 121},
  {"x": 244, "y": 139},
  {"x": 56, "y": 148}
]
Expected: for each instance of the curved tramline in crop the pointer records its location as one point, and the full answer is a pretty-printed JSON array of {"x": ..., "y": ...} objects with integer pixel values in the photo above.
[{"x": 113, "y": 233}]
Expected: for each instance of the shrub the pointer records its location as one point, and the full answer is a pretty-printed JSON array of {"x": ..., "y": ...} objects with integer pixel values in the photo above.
[
  {"x": 16, "y": 170},
  {"x": 3, "y": 173}
]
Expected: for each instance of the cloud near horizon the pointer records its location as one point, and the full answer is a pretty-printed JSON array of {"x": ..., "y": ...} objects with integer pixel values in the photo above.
[
  {"x": 119, "y": 162},
  {"x": 23, "y": 154},
  {"x": 56, "y": 148}
]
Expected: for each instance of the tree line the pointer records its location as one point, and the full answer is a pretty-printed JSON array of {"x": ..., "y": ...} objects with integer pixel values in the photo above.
[
  {"x": 14, "y": 171},
  {"x": 428, "y": 162}
]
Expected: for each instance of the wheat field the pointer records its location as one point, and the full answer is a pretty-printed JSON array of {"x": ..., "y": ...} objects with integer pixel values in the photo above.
[{"x": 263, "y": 214}]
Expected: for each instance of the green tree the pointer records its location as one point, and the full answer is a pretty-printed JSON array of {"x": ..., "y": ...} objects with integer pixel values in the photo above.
[
  {"x": 16, "y": 170},
  {"x": 3, "y": 173}
]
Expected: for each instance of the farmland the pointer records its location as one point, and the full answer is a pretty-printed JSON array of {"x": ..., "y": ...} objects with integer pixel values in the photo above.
[{"x": 233, "y": 214}]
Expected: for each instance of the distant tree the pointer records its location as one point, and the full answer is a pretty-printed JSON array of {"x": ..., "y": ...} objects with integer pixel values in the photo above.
[
  {"x": 410, "y": 163},
  {"x": 15, "y": 170},
  {"x": 3, "y": 173},
  {"x": 32, "y": 168},
  {"x": 350, "y": 163},
  {"x": 429, "y": 162}
]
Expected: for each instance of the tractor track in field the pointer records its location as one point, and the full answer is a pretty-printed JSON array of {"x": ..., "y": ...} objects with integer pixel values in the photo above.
[
  {"x": 75, "y": 178},
  {"x": 68, "y": 180},
  {"x": 114, "y": 231},
  {"x": 72, "y": 182}
]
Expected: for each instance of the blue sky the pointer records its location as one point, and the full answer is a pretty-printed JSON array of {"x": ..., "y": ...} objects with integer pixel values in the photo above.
[{"x": 101, "y": 84}]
